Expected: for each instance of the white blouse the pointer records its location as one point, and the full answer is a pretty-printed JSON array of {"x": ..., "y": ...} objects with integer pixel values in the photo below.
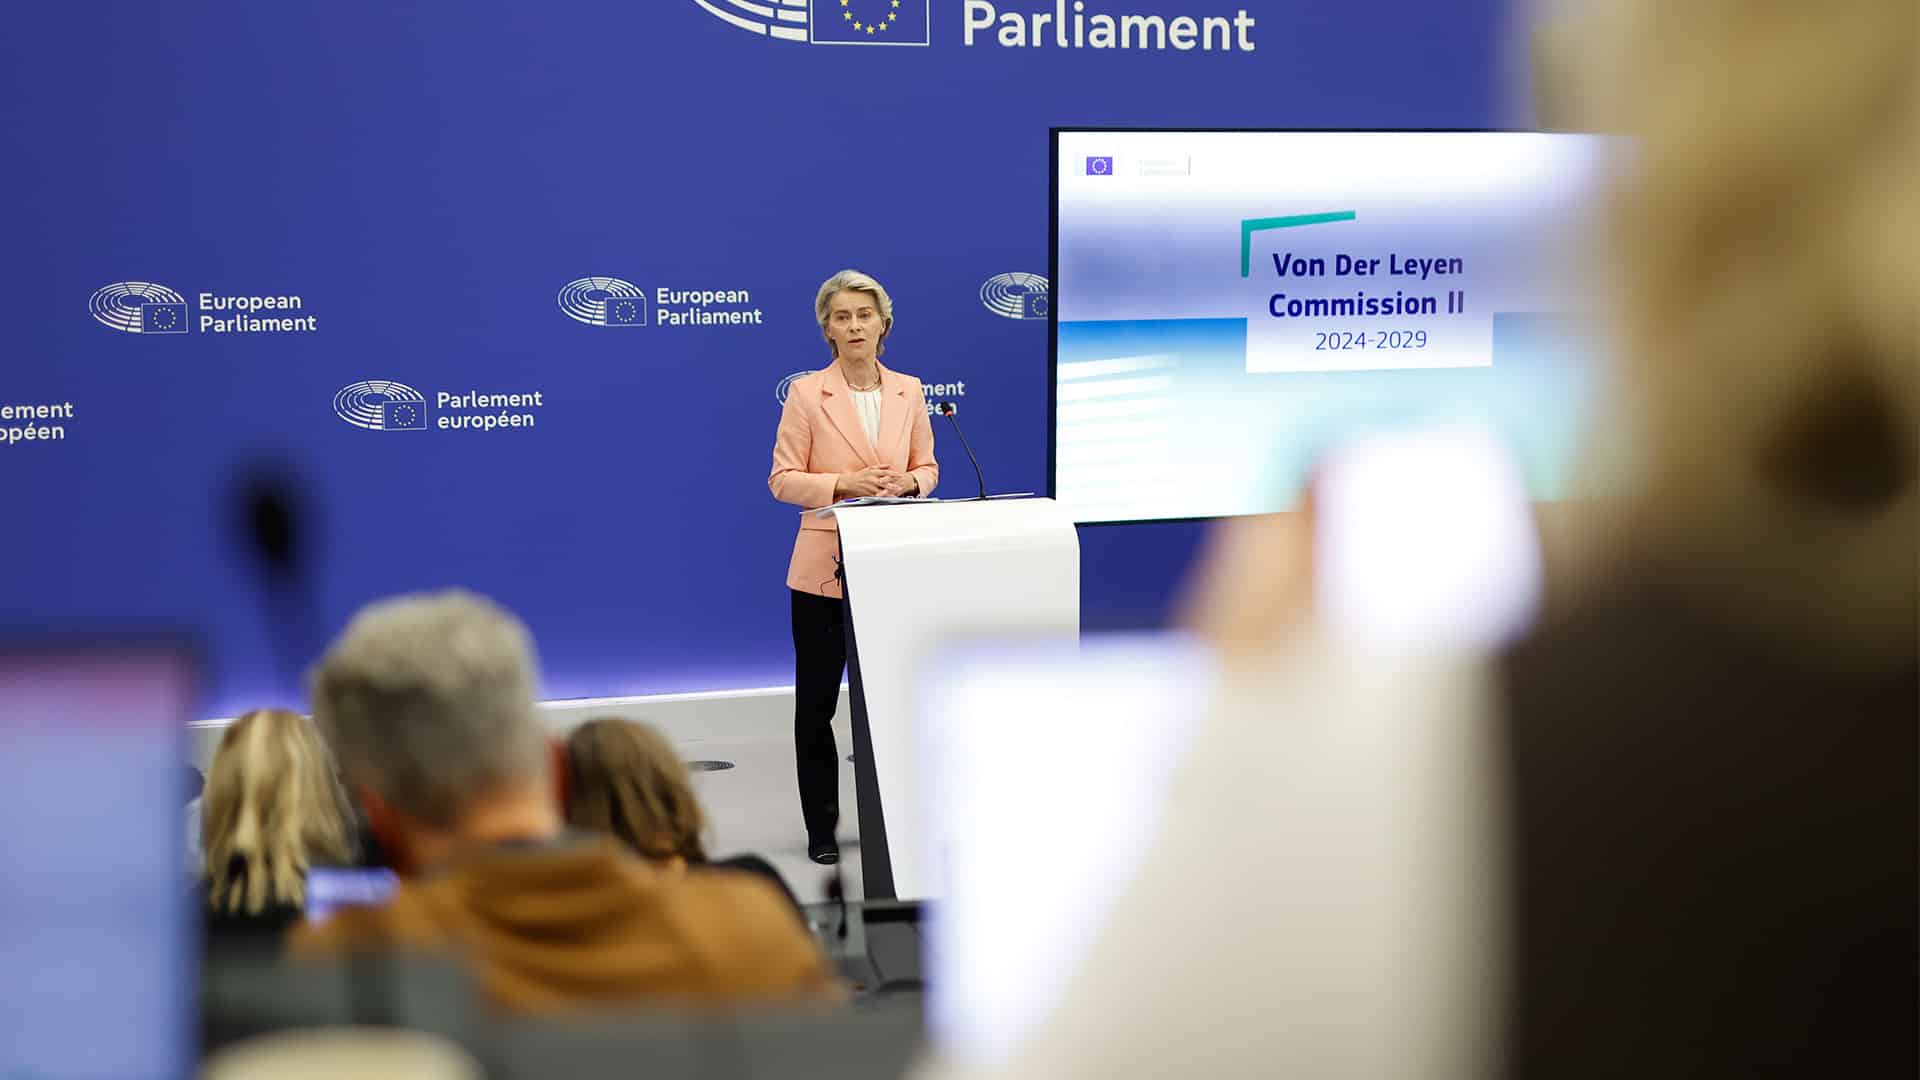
[{"x": 867, "y": 404}]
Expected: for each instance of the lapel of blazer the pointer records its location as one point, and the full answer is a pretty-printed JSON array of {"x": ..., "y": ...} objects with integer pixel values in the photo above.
[
  {"x": 895, "y": 409},
  {"x": 836, "y": 400}
]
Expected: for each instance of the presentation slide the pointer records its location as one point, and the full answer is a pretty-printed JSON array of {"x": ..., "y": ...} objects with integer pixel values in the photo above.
[{"x": 1231, "y": 304}]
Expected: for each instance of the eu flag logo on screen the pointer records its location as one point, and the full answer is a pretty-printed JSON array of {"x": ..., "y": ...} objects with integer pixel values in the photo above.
[
  {"x": 163, "y": 318},
  {"x": 870, "y": 22},
  {"x": 404, "y": 416},
  {"x": 626, "y": 311}
]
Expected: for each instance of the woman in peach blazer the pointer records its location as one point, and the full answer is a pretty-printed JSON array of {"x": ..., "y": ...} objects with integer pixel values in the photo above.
[{"x": 851, "y": 430}]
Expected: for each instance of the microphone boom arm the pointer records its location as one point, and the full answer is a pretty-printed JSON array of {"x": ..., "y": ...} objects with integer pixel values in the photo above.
[{"x": 947, "y": 410}]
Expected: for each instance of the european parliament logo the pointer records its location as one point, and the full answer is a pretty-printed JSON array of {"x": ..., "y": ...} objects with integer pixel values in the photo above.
[
  {"x": 786, "y": 385},
  {"x": 381, "y": 405},
  {"x": 829, "y": 22},
  {"x": 604, "y": 301},
  {"x": 139, "y": 307},
  {"x": 1016, "y": 295}
]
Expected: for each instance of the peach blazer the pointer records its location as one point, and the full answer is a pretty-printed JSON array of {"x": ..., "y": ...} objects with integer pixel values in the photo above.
[{"x": 821, "y": 437}]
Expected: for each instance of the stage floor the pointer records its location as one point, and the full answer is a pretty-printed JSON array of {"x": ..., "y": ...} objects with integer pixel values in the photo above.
[{"x": 755, "y": 807}]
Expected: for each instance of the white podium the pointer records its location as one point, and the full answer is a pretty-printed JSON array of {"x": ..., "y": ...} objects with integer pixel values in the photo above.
[{"x": 917, "y": 574}]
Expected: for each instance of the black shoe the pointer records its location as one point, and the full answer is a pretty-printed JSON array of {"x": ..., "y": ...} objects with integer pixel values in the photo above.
[{"x": 824, "y": 852}]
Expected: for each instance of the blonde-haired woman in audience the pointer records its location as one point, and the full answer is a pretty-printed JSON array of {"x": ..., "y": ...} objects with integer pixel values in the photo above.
[
  {"x": 272, "y": 810},
  {"x": 626, "y": 781}
]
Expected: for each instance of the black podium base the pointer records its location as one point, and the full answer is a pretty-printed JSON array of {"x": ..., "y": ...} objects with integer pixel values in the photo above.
[{"x": 876, "y": 861}]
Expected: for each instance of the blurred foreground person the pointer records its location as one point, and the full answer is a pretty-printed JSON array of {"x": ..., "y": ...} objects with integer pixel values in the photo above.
[
  {"x": 1672, "y": 832},
  {"x": 629, "y": 784},
  {"x": 343, "y": 1053},
  {"x": 272, "y": 809},
  {"x": 428, "y": 701},
  {"x": 1713, "y": 754}
]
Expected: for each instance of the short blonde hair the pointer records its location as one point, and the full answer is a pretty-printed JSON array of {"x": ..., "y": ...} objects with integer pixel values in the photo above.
[
  {"x": 273, "y": 807},
  {"x": 854, "y": 281}
]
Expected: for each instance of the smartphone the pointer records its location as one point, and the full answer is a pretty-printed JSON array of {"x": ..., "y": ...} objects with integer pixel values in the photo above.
[
  {"x": 1425, "y": 539},
  {"x": 331, "y": 888}
]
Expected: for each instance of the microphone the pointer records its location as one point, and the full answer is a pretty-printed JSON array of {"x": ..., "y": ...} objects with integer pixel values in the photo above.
[
  {"x": 271, "y": 524},
  {"x": 947, "y": 409},
  {"x": 269, "y": 512}
]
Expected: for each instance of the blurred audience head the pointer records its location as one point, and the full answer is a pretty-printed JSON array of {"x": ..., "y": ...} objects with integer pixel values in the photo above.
[
  {"x": 629, "y": 783},
  {"x": 272, "y": 808},
  {"x": 428, "y": 701},
  {"x": 1762, "y": 254},
  {"x": 343, "y": 1053}
]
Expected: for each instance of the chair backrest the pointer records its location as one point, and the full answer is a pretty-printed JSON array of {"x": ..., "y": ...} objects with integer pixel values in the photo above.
[{"x": 875, "y": 1042}]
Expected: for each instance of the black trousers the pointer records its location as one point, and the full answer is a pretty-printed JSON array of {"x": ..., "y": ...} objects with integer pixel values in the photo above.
[{"x": 819, "y": 659}]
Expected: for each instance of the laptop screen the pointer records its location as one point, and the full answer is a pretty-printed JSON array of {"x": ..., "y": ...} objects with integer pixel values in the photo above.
[
  {"x": 95, "y": 920},
  {"x": 1045, "y": 770}
]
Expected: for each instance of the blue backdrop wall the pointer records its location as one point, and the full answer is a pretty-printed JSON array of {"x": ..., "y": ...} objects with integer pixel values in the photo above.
[{"x": 221, "y": 217}]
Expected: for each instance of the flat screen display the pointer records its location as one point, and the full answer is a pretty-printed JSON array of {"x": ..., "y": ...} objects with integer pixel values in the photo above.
[
  {"x": 1227, "y": 306},
  {"x": 96, "y": 927}
]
